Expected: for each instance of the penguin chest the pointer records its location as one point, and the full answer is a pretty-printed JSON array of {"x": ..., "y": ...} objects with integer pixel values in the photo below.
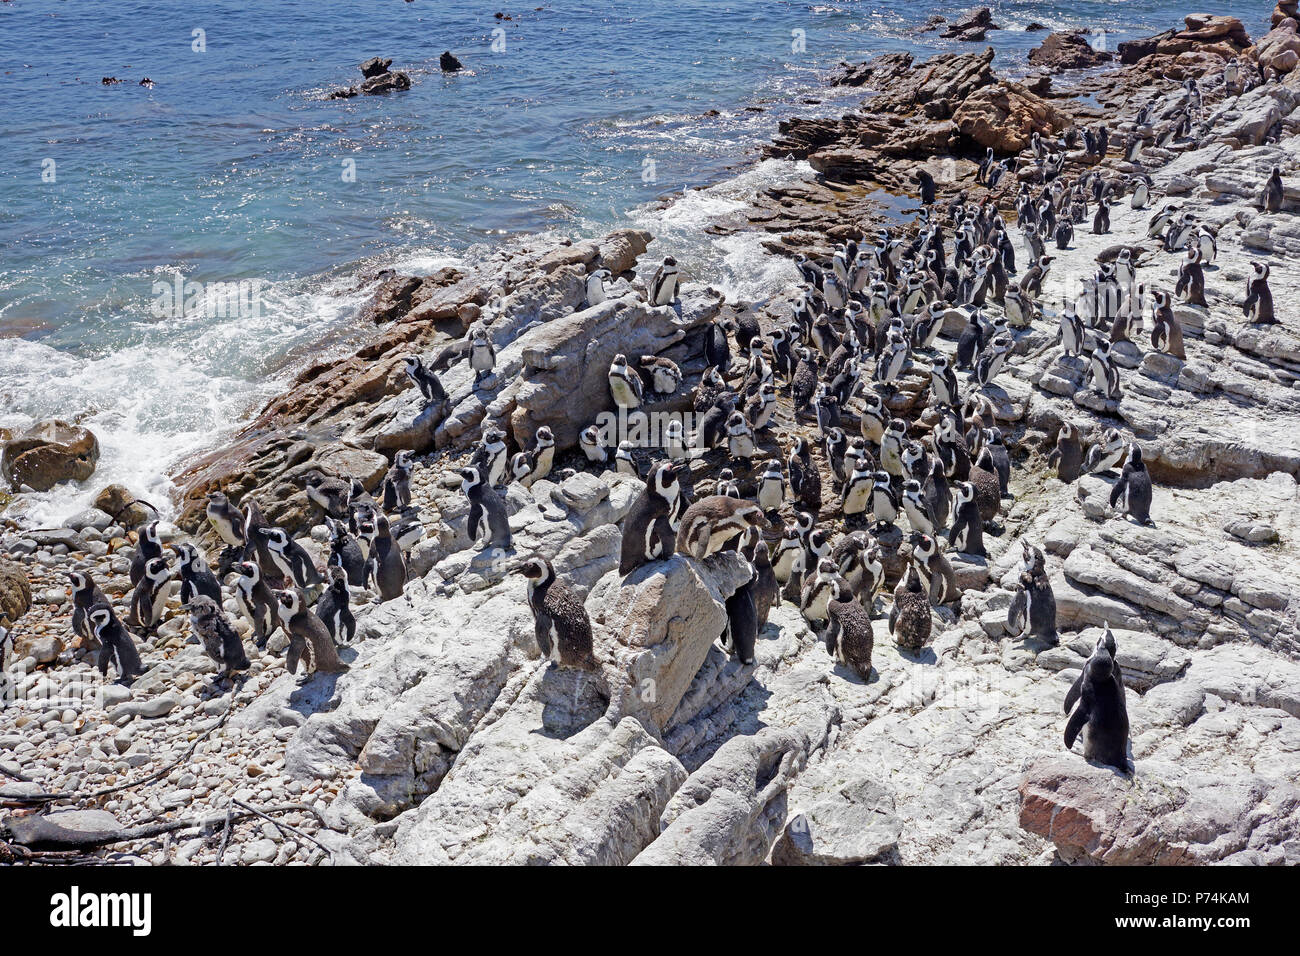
[
  {"x": 857, "y": 497},
  {"x": 741, "y": 445},
  {"x": 481, "y": 358},
  {"x": 771, "y": 494},
  {"x": 882, "y": 507},
  {"x": 623, "y": 393}
]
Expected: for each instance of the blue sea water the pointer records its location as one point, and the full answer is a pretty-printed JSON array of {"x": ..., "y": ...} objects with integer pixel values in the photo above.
[{"x": 570, "y": 116}]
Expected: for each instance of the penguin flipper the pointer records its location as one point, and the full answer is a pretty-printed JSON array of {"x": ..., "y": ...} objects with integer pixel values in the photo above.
[
  {"x": 1117, "y": 491},
  {"x": 1017, "y": 616},
  {"x": 1076, "y": 723}
]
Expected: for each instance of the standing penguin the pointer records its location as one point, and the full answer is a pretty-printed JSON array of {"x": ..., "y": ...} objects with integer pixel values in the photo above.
[
  {"x": 1166, "y": 331},
  {"x": 561, "y": 624},
  {"x": 151, "y": 594},
  {"x": 647, "y": 530},
  {"x": 225, "y": 519},
  {"x": 1033, "y": 608},
  {"x": 805, "y": 479},
  {"x": 1101, "y": 220},
  {"x": 1102, "y": 712},
  {"x": 909, "y": 618},
  {"x": 771, "y": 492},
  {"x": 596, "y": 293},
  {"x": 1067, "y": 456},
  {"x": 386, "y": 567},
  {"x": 308, "y": 638},
  {"x": 85, "y": 595},
  {"x": 1071, "y": 330},
  {"x": 255, "y": 601},
  {"x": 662, "y": 289},
  {"x": 1258, "y": 307},
  {"x": 117, "y": 647},
  {"x": 346, "y": 553},
  {"x": 397, "y": 482},
  {"x": 333, "y": 610},
  {"x": 740, "y": 634},
  {"x": 487, "y": 509},
  {"x": 1102, "y": 371},
  {"x": 1132, "y": 493},
  {"x": 290, "y": 558},
  {"x": 196, "y": 577},
  {"x": 849, "y": 637},
  {"x": 624, "y": 384},
  {"x": 1271, "y": 200},
  {"x": 148, "y": 546},
  {"x": 482, "y": 353},
  {"x": 218, "y": 638},
  {"x": 1191, "y": 278},
  {"x": 966, "y": 535},
  {"x": 425, "y": 380}
]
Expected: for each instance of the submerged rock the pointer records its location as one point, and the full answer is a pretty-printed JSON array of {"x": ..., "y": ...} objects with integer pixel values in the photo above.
[{"x": 49, "y": 452}]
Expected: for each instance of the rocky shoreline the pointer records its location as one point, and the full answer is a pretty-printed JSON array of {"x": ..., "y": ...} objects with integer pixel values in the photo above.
[{"x": 450, "y": 740}]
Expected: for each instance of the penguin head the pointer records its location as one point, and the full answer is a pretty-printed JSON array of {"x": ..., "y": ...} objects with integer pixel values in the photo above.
[
  {"x": 1135, "y": 455},
  {"x": 250, "y": 570},
  {"x": 590, "y": 436},
  {"x": 537, "y": 569},
  {"x": 100, "y": 615},
  {"x": 80, "y": 580},
  {"x": 912, "y": 488},
  {"x": 217, "y": 499},
  {"x": 277, "y": 539},
  {"x": 290, "y": 600},
  {"x": 203, "y": 610},
  {"x": 337, "y": 578},
  {"x": 965, "y": 492},
  {"x": 1261, "y": 269},
  {"x": 149, "y": 532},
  {"x": 156, "y": 570}
]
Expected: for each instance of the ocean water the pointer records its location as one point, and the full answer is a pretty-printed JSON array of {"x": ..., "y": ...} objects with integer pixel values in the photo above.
[{"x": 574, "y": 117}]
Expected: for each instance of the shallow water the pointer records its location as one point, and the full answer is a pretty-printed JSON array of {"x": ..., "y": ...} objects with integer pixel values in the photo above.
[{"x": 231, "y": 167}]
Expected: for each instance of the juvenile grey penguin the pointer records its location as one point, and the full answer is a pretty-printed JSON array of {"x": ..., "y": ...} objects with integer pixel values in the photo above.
[
  {"x": 937, "y": 495},
  {"x": 988, "y": 490},
  {"x": 805, "y": 479},
  {"x": 151, "y": 594},
  {"x": 290, "y": 558},
  {"x": 1101, "y": 714},
  {"x": 333, "y": 608},
  {"x": 1131, "y": 495},
  {"x": 225, "y": 519},
  {"x": 1258, "y": 307},
  {"x": 85, "y": 595},
  {"x": 1033, "y": 608},
  {"x": 386, "y": 567},
  {"x": 647, "y": 530},
  {"x": 766, "y": 590},
  {"x": 196, "y": 577},
  {"x": 561, "y": 624},
  {"x": 1067, "y": 456},
  {"x": 332, "y": 494},
  {"x": 117, "y": 647},
  {"x": 849, "y": 637},
  {"x": 217, "y": 636},
  {"x": 148, "y": 546},
  {"x": 715, "y": 522},
  {"x": 909, "y": 618},
  {"x": 309, "y": 640},
  {"x": 966, "y": 536},
  {"x": 255, "y": 601},
  {"x": 487, "y": 510}
]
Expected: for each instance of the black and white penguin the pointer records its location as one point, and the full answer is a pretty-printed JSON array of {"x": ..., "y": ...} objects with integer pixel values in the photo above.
[
  {"x": 1067, "y": 456},
  {"x": 196, "y": 577},
  {"x": 1019, "y": 308},
  {"x": 117, "y": 646},
  {"x": 1032, "y": 281},
  {"x": 1191, "y": 278},
  {"x": 332, "y": 494},
  {"x": 1001, "y": 459},
  {"x": 771, "y": 492},
  {"x": 788, "y": 558},
  {"x": 805, "y": 479},
  {"x": 85, "y": 595},
  {"x": 309, "y": 640},
  {"x": 858, "y": 489},
  {"x": 1166, "y": 331},
  {"x": 936, "y": 494},
  {"x": 216, "y": 635},
  {"x": 346, "y": 553},
  {"x": 716, "y": 522},
  {"x": 538, "y": 460},
  {"x": 933, "y": 568},
  {"x": 970, "y": 341},
  {"x": 740, "y": 634},
  {"x": 491, "y": 457},
  {"x": 386, "y": 568},
  {"x": 255, "y": 543},
  {"x": 943, "y": 382},
  {"x": 1102, "y": 372},
  {"x": 624, "y": 384},
  {"x": 662, "y": 288},
  {"x": 1107, "y": 453},
  {"x": 1101, "y": 220},
  {"x": 717, "y": 350},
  {"x": 624, "y": 463},
  {"x": 255, "y": 601},
  {"x": 884, "y": 503},
  {"x": 1131, "y": 495},
  {"x": 919, "y": 515},
  {"x": 1033, "y": 607},
  {"x": 1258, "y": 307},
  {"x": 596, "y": 292},
  {"x": 332, "y": 607},
  {"x": 290, "y": 558},
  {"x": 816, "y": 593},
  {"x": 647, "y": 530},
  {"x": 147, "y": 547},
  {"x": 663, "y": 374},
  {"x": 909, "y": 618},
  {"x": 425, "y": 380},
  {"x": 487, "y": 510},
  {"x": 151, "y": 595},
  {"x": 740, "y": 438},
  {"x": 849, "y": 637},
  {"x": 225, "y": 519},
  {"x": 991, "y": 360},
  {"x": 966, "y": 536},
  {"x": 397, "y": 482},
  {"x": 589, "y": 442},
  {"x": 1072, "y": 335},
  {"x": 560, "y": 622},
  {"x": 482, "y": 353},
  {"x": 891, "y": 448},
  {"x": 1101, "y": 714}
]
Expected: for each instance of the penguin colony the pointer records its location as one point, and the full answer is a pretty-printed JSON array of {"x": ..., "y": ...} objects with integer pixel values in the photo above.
[{"x": 904, "y": 493}]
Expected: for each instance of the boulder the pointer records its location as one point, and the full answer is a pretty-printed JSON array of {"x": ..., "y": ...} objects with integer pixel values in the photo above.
[
  {"x": 384, "y": 83},
  {"x": 122, "y": 506},
  {"x": 1280, "y": 47},
  {"x": 1161, "y": 816},
  {"x": 1067, "y": 51},
  {"x": 972, "y": 26},
  {"x": 1285, "y": 9},
  {"x": 1005, "y": 115},
  {"x": 50, "y": 452},
  {"x": 15, "y": 593},
  {"x": 375, "y": 67},
  {"x": 448, "y": 63},
  {"x": 854, "y": 824}
]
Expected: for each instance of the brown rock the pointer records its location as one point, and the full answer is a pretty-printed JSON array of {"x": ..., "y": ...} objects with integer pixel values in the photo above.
[
  {"x": 50, "y": 452},
  {"x": 1004, "y": 116},
  {"x": 392, "y": 300},
  {"x": 1285, "y": 9},
  {"x": 1067, "y": 51},
  {"x": 118, "y": 502},
  {"x": 15, "y": 593}
]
